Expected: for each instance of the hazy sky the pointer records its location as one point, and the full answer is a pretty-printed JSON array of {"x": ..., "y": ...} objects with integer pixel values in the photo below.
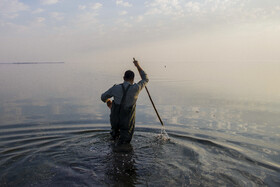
[
  {"x": 201, "y": 30},
  {"x": 234, "y": 44}
]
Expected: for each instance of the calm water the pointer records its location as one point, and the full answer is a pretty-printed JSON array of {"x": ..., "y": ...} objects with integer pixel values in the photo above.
[{"x": 54, "y": 131}]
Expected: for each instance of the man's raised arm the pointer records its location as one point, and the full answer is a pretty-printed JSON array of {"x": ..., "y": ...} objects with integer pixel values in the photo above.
[{"x": 143, "y": 75}]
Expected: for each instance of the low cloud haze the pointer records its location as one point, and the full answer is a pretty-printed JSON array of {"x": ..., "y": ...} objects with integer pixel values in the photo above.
[{"x": 243, "y": 34}]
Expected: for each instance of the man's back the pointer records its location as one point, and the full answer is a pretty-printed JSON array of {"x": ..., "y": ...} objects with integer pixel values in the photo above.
[
  {"x": 125, "y": 95},
  {"x": 132, "y": 94}
]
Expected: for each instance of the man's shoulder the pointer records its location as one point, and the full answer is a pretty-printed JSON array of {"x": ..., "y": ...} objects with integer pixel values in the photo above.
[
  {"x": 132, "y": 86},
  {"x": 116, "y": 86},
  {"x": 135, "y": 86}
]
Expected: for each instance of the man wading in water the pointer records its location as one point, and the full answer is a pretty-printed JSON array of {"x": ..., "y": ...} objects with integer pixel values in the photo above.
[{"x": 123, "y": 106}]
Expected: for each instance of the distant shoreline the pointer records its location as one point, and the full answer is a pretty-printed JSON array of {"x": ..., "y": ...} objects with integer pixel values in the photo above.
[{"x": 23, "y": 63}]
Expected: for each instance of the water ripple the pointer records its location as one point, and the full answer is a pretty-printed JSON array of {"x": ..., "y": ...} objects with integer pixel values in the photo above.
[{"x": 82, "y": 154}]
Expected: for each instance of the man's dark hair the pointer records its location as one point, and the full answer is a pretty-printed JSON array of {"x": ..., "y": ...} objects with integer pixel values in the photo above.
[{"x": 129, "y": 75}]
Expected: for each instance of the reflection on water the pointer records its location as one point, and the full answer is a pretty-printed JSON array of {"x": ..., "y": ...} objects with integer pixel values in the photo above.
[
  {"x": 73, "y": 147},
  {"x": 51, "y": 138},
  {"x": 121, "y": 166}
]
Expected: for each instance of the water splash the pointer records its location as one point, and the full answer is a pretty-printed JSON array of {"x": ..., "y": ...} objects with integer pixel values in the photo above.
[{"x": 163, "y": 135}]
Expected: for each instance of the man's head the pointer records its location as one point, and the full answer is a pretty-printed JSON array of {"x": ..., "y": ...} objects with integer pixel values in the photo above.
[{"x": 129, "y": 76}]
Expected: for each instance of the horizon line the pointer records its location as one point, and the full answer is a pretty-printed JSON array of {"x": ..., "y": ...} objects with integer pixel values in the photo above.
[{"x": 31, "y": 63}]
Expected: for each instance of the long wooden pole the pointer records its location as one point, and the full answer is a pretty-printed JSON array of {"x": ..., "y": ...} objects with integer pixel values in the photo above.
[
  {"x": 152, "y": 101},
  {"x": 154, "y": 105}
]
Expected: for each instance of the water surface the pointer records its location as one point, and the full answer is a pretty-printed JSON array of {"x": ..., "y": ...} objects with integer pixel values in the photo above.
[{"x": 55, "y": 132}]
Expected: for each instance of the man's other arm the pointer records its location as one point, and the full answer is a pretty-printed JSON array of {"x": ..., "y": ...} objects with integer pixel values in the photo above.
[{"x": 107, "y": 95}]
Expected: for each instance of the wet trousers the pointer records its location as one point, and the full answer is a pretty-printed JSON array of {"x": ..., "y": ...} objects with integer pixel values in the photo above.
[{"x": 122, "y": 122}]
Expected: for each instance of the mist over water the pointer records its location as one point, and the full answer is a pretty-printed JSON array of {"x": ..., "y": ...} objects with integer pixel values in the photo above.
[{"x": 222, "y": 121}]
